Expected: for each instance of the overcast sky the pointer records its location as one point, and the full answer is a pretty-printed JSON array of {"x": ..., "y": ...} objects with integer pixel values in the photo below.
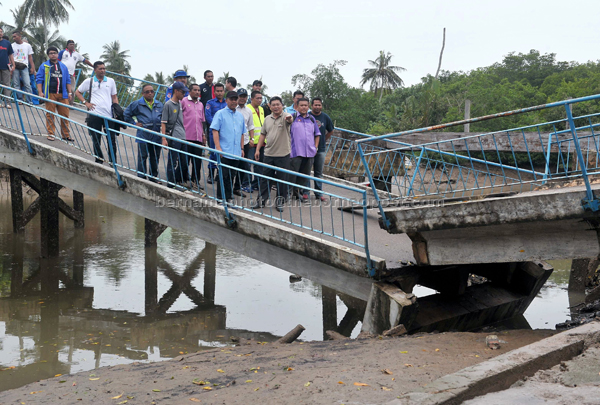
[{"x": 277, "y": 39}]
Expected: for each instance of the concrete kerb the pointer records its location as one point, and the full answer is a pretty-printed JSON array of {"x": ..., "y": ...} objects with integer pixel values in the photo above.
[
  {"x": 502, "y": 371},
  {"x": 14, "y": 152}
]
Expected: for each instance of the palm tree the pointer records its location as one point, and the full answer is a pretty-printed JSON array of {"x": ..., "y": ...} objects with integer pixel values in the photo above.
[
  {"x": 223, "y": 78},
  {"x": 116, "y": 59},
  {"x": 40, "y": 39},
  {"x": 48, "y": 11},
  {"x": 382, "y": 76},
  {"x": 158, "y": 78},
  {"x": 21, "y": 21}
]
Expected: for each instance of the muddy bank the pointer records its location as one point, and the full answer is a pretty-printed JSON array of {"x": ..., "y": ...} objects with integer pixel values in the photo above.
[{"x": 302, "y": 373}]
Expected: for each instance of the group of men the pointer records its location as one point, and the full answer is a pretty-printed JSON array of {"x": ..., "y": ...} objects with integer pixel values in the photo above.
[
  {"x": 215, "y": 115},
  {"x": 240, "y": 125}
]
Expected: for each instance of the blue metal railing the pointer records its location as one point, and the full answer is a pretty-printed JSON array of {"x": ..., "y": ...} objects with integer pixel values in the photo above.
[
  {"x": 323, "y": 218},
  {"x": 518, "y": 159}
]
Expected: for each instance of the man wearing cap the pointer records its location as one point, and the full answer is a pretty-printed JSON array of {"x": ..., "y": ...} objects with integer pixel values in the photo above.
[
  {"x": 212, "y": 106},
  {"x": 228, "y": 128},
  {"x": 172, "y": 125},
  {"x": 244, "y": 177},
  {"x": 70, "y": 57},
  {"x": 193, "y": 122},
  {"x": 148, "y": 114},
  {"x": 54, "y": 82},
  {"x": 179, "y": 76}
]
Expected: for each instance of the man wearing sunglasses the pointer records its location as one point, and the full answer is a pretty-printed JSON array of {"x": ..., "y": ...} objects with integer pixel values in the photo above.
[{"x": 148, "y": 114}]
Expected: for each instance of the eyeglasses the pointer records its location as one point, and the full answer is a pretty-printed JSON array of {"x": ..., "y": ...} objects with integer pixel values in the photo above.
[
  {"x": 52, "y": 53},
  {"x": 148, "y": 91}
]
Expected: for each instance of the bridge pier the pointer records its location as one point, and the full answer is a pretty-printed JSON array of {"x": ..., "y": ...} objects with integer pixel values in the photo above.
[
  {"x": 49, "y": 218},
  {"x": 152, "y": 230}
]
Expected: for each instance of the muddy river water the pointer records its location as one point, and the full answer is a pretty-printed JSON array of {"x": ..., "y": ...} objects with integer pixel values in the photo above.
[{"x": 96, "y": 306}]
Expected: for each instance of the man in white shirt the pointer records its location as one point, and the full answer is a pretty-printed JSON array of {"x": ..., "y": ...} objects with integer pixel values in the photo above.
[
  {"x": 104, "y": 95},
  {"x": 70, "y": 57},
  {"x": 24, "y": 66}
]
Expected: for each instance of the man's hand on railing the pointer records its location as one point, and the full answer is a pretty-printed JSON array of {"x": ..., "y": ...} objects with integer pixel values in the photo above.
[{"x": 139, "y": 124}]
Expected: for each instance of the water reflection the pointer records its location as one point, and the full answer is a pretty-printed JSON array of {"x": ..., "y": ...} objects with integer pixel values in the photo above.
[{"x": 107, "y": 300}]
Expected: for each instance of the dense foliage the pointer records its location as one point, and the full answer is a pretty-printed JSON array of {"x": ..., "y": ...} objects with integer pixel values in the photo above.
[{"x": 519, "y": 80}]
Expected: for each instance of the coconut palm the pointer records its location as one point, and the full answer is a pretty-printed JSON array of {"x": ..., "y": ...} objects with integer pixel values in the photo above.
[
  {"x": 48, "y": 11},
  {"x": 158, "y": 78},
  {"x": 21, "y": 22},
  {"x": 116, "y": 59},
  {"x": 382, "y": 76},
  {"x": 40, "y": 39}
]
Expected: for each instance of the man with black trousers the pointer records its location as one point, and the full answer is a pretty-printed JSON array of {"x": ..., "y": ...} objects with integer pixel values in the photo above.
[{"x": 104, "y": 95}]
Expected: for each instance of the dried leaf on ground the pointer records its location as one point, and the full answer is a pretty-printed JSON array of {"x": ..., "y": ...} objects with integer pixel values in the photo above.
[
  {"x": 404, "y": 352},
  {"x": 94, "y": 379},
  {"x": 290, "y": 369},
  {"x": 34, "y": 392},
  {"x": 387, "y": 371},
  {"x": 207, "y": 388},
  {"x": 248, "y": 381},
  {"x": 408, "y": 365},
  {"x": 361, "y": 384},
  {"x": 155, "y": 390},
  {"x": 341, "y": 382},
  {"x": 386, "y": 388},
  {"x": 118, "y": 396},
  {"x": 195, "y": 400},
  {"x": 307, "y": 384},
  {"x": 220, "y": 371}
]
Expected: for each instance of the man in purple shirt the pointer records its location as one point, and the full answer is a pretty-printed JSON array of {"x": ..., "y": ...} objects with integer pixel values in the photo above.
[
  {"x": 193, "y": 122},
  {"x": 305, "y": 134}
]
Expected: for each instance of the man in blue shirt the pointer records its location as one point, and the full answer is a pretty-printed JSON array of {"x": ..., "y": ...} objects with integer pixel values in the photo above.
[
  {"x": 7, "y": 64},
  {"x": 294, "y": 107},
  {"x": 148, "y": 113},
  {"x": 228, "y": 128},
  {"x": 212, "y": 106},
  {"x": 179, "y": 76}
]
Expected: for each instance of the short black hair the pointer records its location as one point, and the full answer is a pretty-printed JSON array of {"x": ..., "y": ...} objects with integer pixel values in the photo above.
[
  {"x": 254, "y": 93},
  {"x": 303, "y": 99},
  {"x": 257, "y": 83},
  {"x": 192, "y": 85},
  {"x": 146, "y": 85},
  {"x": 232, "y": 80},
  {"x": 276, "y": 98},
  {"x": 207, "y": 72},
  {"x": 70, "y": 41},
  {"x": 298, "y": 92},
  {"x": 219, "y": 85},
  {"x": 98, "y": 63},
  {"x": 316, "y": 99},
  {"x": 19, "y": 33},
  {"x": 51, "y": 48}
]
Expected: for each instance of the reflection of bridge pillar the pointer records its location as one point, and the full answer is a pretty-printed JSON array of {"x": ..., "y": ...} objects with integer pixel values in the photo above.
[
  {"x": 329, "y": 301},
  {"x": 152, "y": 230},
  {"x": 16, "y": 271},
  {"x": 210, "y": 272},
  {"x": 151, "y": 279},
  {"x": 16, "y": 197},
  {"x": 78, "y": 207},
  {"x": 49, "y": 311},
  {"x": 49, "y": 218},
  {"x": 78, "y": 247}
]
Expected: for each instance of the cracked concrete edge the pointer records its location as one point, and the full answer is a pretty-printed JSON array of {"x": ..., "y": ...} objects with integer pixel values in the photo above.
[{"x": 501, "y": 372}]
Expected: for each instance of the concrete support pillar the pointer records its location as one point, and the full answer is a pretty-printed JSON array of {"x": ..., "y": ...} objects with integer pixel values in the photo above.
[
  {"x": 49, "y": 218},
  {"x": 210, "y": 272},
  {"x": 152, "y": 230},
  {"x": 78, "y": 207},
  {"x": 388, "y": 306},
  {"x": 16, "y": 197},
  {"x": 150, "y": 280},
  {"x": 329, "y": 302}
]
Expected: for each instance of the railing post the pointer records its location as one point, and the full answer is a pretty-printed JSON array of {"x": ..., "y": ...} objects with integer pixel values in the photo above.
[
  {"x": 230, "y": 219},
  {"x": 590, "y": 202},
  {"x": 386, "y": 221},
  {"x": 112, "y": 153},
  {"x": 547, "y": 169},
  {"x": 22, "y": 124},
  {"x": 370, "y": 268},
  {"x": 417, "y": 168}
]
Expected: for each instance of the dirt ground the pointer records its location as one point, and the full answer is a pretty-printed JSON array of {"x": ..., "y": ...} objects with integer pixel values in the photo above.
[{"x": 364, "y": 371}]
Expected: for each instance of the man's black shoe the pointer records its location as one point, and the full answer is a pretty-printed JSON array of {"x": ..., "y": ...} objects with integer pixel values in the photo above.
[
  {"x": 258, "y": 204},
  {"x": 239, "y": 192}
]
